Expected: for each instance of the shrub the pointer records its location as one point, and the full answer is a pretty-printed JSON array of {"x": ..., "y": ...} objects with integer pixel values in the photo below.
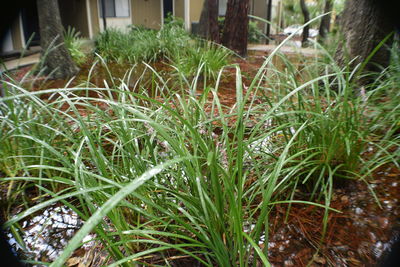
[
  {"x": 255, "y": 34},
  {"x": 140, "y": 44},
  {"x": 205, "y": 59},
  {"x": 74, "y": 44}
]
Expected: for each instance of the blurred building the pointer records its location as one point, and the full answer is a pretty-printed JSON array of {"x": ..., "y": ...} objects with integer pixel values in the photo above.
[{"x": 86, "y": 16}]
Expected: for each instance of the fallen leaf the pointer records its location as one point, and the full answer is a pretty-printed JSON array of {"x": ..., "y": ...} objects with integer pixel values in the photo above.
[{"x": 73, "y": 261}]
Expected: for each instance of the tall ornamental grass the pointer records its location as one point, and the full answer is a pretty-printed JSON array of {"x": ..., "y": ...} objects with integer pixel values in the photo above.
[
  {"x": 172, "y": 45},
  {"x": 181, "y": 174},
  {"x": 140, "y": 44}
]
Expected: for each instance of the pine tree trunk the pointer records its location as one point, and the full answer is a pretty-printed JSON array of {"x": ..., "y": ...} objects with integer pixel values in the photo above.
[
  {"x": 208, "y": 28},
  {"x": 306, "y": 29},
  {"x": 56, "y": 58},
  {"x": 203, "y": 23},
  {"x": 365, "y": 23},
  {"x": 235, "y": 31},
  {"x": 213, "y": 20},
  {"x": 325, "y": 25}
]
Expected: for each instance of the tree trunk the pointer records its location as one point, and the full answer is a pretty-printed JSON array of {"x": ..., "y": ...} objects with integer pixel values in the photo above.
[
  {"x": 269, "y": 18},
  {"x": 56, "y": 58},
  {"x": 306, "y": 29},
  {"x": 325, "y": 25},
  {"x": 236, "y": 26},
  {"x": 203, "y": 23},
  {"x": 213, "y": 20},
  {"x": 365, "y": 23},
  {"x": 208, "y": 25}
]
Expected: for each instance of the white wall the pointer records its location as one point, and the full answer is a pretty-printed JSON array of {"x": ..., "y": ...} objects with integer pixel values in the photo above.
[
  {"x": 123, "y": 12},
  {"x": 120, "y": 23},
  {"x": 7, "y": 44}
]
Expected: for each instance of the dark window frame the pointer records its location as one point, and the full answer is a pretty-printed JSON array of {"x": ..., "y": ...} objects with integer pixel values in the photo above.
[{"x": 112, "y": 13}]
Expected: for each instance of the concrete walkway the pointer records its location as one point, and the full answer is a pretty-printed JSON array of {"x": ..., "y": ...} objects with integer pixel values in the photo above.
[
  {"x": 286, "y": 49},
  {"x": 20, "y": 62}
]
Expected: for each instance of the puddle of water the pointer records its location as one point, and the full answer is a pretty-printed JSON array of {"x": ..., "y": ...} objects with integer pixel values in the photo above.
[{"x": 46, "y": 234}]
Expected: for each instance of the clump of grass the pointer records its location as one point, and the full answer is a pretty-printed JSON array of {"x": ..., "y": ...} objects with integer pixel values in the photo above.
[
  {"x": 171, "y": 44},
  {"x": 74, "y": 44},
  {"x": 384, "y": 94},
  {"x": 326, "y": 127},
  {"x": 173, "y": 176},
  {"x": 208, "y": 58},
  {"x": 255, "y": 35},
  {"x": 140, "y": 44}
]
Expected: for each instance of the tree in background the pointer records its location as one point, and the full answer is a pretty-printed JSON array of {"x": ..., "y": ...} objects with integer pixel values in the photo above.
[
  {"x": 56, "y": 60},
  {"x": 293, "y": 15},
  {"x": 208, "y": 25},
  {"x": 235, "y": 31},
  {"x": 364, "y": 24},
  {"x": 325, "y": 25},
  {"x": 306, "y": 29}
]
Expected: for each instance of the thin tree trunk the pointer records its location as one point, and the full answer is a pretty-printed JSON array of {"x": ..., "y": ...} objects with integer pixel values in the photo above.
[
  {"x": 306, "y": 29},
  {"x": 56, "y": 58},
  {"x": 213, "y": 20},
  {"x": 325, "y": 25},
  {"x": 208, "y": 25},
  {"x": 269, "y": 18},
  {"x": 203, "y": 23},
  {"x": 236, "y": 26},
  {"x": 365, "y": 23}
]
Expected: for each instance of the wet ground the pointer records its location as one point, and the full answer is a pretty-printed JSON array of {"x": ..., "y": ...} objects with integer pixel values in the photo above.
[
  {"x": 361, "y": 235},
  {"x": 48, "y": 232}
]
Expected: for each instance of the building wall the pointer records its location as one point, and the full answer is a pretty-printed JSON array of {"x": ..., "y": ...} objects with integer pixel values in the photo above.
[
  {"x": 7, "y": 44},
  {"x": 16, "y": 34},
  {"x": 259, "y": 9},
  {"x": 277, "y": 9},
  {"x": 84, "y": 15},
  {"x": 121, "y": 23},
  {"x": 195, "y": 10},
  {"x": 74, "y": 13},
  {"x": 146, "y": 13},
  {"x": 179, "y": 9},
  {"x": 94, "y": 16}
]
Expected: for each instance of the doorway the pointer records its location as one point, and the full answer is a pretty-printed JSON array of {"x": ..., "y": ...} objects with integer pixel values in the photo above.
[
  {"x": 30, "y": 23},
  {"x": 168, "y": 8}
]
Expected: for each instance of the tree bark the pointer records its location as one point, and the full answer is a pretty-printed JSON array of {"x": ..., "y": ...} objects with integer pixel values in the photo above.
[
  {"x": 306, "y": 29},
  {"x": 325, "y": 25},
  {"x": 213, "y": 20},
  {"x": 203, "y": 23},
  {"x": 364, "y": 24},
  {"x": 57, "y": 61},
  {"x": 208, "y": 27},
  {"x": 269, "y": 18},
  {"x": 236, "y": 26}
]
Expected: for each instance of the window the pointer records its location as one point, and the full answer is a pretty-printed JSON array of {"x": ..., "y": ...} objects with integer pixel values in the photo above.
[{"x": 115, "y": 8}]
